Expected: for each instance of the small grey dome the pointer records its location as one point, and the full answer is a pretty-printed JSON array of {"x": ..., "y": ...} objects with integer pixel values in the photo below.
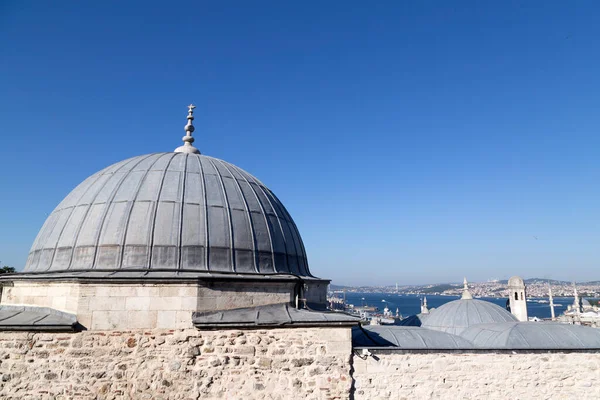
[
  {"x": 170, "y": 212},
  {"x": 456, "y": 316},
  {"x": 533, "y": 335},
  {"x": 406, "y": 337}
]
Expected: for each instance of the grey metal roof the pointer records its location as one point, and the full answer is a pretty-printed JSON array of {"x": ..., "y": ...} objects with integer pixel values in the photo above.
[
  {"x": 269, "y": 316},
  {"x": 533, "y": 335},
  {"x": 35, "y": 318},
  {"x": 406, "y": 338},
  {"x": 171, "y": 212},
  {"x": 414, "y": 320},
  {"x": 456, "y": 316}
]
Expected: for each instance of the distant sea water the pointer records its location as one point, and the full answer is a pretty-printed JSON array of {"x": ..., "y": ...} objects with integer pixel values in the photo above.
[{"x": 411, "y": 304}]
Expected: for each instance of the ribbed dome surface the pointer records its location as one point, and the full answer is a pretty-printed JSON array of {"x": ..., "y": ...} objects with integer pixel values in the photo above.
[
  {"x": 456, "y": 316},
  {"x": 533, "y": 335},
  {"x": 170, "y": 211}
]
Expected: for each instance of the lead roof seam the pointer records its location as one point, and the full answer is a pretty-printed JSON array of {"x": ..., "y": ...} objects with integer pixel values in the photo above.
[
  {"x": 477, "y": 335},
  {"x": 276, "y": 203},
  {"x": 69, "y": 218},
  {"x": 572, "y": 335},
  {"x": 130, "y": 209},
  {"x": 453, "y": 338},
  {"x": 247, "y": 209},
  {"x": 132, "y": 160},
  {"x": 267, "y": 222},
  {"x": 15, "y": 313},
  {"x": 47, "y": 227},
  {"x": 304, "y": 255},
  {"x": 503, "y": 316},
  {"x": 441, "y": 320},
  {"x": 228, "y": 210},
  {"x": 155, "y": 212},
  {"x": 43, "y": 317},
  {"x": 393, "y": 336},
  {"x": 205, "y": 213},
  {"x": 515, "y": 329},
  {"x": 180, "y": 241},
  {"x": 478, "y": 312},
  {"x": 300, "y": 253},
  {"x": 287, "y": 267},
  {"x": 421, "y": 338}
]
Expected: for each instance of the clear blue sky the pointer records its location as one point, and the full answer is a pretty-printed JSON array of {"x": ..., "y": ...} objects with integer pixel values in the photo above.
[{"x": 412, "y": 142}]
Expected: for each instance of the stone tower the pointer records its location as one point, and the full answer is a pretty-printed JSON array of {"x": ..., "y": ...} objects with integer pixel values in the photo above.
[
  {"x": 424, "y": 308},
  {"x": 517, "y": 298}
]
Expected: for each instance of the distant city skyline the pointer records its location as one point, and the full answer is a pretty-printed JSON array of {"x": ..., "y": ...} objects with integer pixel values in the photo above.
[{"x": 411, "y": 142}]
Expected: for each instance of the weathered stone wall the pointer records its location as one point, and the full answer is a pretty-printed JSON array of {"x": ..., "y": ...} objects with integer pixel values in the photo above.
[
  {"x": 303, "y": 363},
  {"x": 478, "y": 376}
]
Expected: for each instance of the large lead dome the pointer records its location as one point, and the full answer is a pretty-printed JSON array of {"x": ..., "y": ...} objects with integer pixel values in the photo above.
[{"x": 169, "y": 212}]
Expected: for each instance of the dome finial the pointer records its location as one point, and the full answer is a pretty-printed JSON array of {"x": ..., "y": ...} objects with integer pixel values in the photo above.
[
  {"x": 466, "y": 295},
  {"x": 188, "y": 139}
]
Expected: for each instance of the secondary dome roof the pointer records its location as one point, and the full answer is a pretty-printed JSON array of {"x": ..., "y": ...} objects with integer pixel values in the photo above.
[
  {"x": 456, "y": 316},
  {"x": 172, "y": 213},
  {"x": 533, "y": 335}
]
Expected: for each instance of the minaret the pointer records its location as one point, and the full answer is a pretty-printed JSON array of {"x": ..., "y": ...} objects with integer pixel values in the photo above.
[
  {"x": 517, "y": 298},
  {"x": 188, "y": 139},
  {"x": 551, "y": 301},
  {"x": 424, "y": 309},
  {"x": 576, "y": 301},
  {"x": 466, "y": 295}
]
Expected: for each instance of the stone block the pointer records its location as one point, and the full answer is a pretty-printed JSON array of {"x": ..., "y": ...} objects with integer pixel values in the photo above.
[
  {"x": 147, "y": 291},
  {"x": 166, "y": 319},
  {"x": 107, "y": 320},
  {"x": 189, "y": 303},
  {"x": 188, "y": 291},
  {"x": 183, "y": 320},
  {"x": 59, "y": 303},
  {"x": 85, "y": 319},
  {"x": 138, "y": 303},
  {"x": 141, "y": 319},
  {"x": 106, "y": 304},
  {"x": 58, "y": 290},
  {"x": 169, "y": 291},
  {"x": 165, "y": 303},
  {"x": 42, "y": 301},
  {"x": 339, "y": 348},
  {"x": 207, "y": 304}
]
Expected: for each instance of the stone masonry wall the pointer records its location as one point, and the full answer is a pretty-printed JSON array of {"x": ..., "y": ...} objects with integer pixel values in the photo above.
[
  {"x": 478, "y": 376},
  {"x": 302, "y": 363}
]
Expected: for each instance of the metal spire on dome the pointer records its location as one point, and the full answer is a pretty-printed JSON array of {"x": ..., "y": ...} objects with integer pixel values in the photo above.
[
  {"x": 466, "y": 295},
  {"x": 188, "y": 139}
]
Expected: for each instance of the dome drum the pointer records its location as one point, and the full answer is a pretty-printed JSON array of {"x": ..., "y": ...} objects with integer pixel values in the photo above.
[{"x": 141, "y": 303}]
